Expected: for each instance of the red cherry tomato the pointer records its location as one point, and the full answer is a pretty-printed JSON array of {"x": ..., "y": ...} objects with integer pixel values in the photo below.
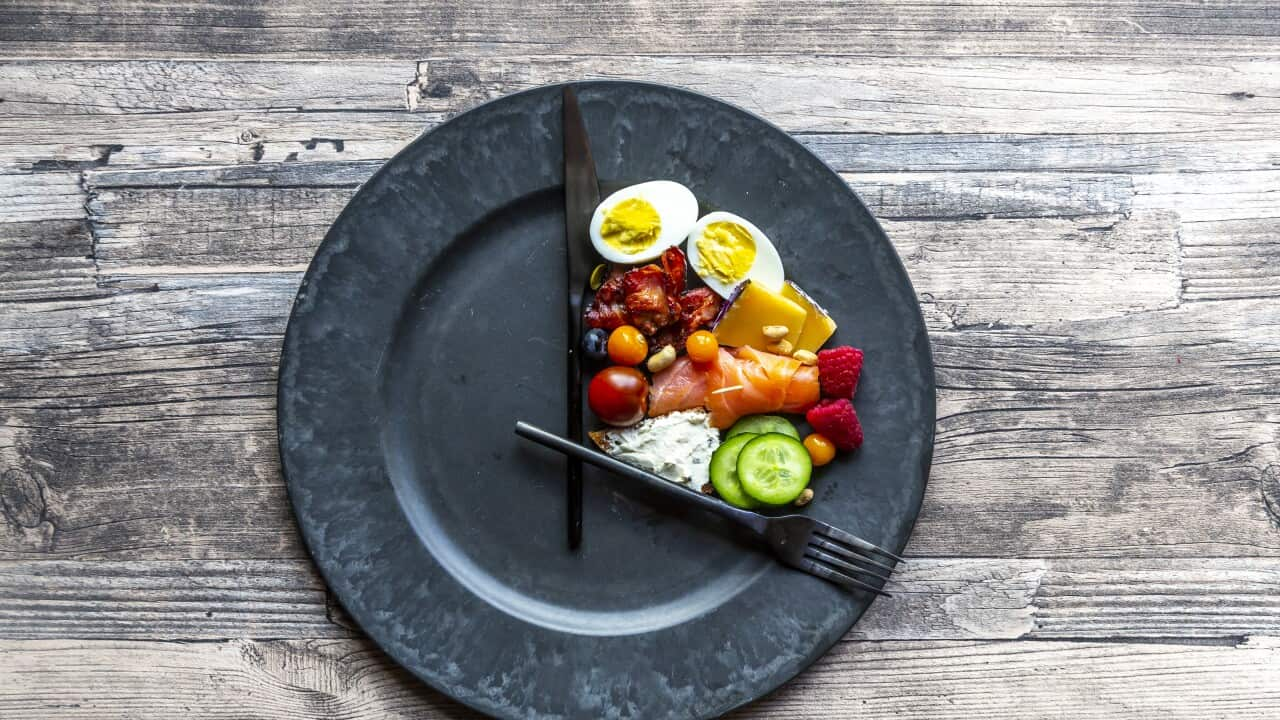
[{"x": 619, "y": 395}]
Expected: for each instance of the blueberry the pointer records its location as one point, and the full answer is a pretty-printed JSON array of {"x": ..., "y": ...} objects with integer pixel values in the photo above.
[{"x": 596, "y": 344}]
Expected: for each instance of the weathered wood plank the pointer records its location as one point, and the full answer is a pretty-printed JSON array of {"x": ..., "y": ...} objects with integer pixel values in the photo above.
[
  {"x": 349, "y": 678},
  {"x": 1090, "y": 152},
  {"x": 293, "y": 28},
  {"x": 45, "y": 88},
  {"x": 87, "y": 142},
  {"x": 162, "y": 395},
  {"x": 201, "y": 229},
  {"x": 897, "y": 196},
  {"x": 181, "y": 600},
  {"x": 1079, "y": 426},
  {"x": 1104, "y": 437},
  {"x": 801, "y": 93},
  {"x": 1212, "y": 196},
  {"x": 1231, "y": 259},
  {"x": 1221, "y": 115},
  {"x": 1024, "y": 272},
  {"x": 914, "y": 95},
  {"x": 47, "y": 196},
  {"x": 40, "y": 144},
  {"x": 43, "y": 260},
  {"x": 934, "y": 599},
  {"x": 1033, "y": 680},
  {"x": 231, "y": 679}
]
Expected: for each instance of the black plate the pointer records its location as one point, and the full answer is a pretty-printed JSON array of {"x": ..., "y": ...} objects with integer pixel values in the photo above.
[{"x": 431, "y": 319}]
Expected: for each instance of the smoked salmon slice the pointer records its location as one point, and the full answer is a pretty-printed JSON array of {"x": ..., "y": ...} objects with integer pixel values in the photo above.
[
  {"x": 743, "y": 382},
  {"x": 803, "y": 392},
  {"x": 681, "y": 386}
]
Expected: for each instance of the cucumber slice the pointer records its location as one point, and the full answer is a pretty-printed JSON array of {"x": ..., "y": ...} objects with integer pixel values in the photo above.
[
  {"x": 724, "y": 472},
  {"x": 774, "y": 468},
  {"x": 761, "y": 424}
]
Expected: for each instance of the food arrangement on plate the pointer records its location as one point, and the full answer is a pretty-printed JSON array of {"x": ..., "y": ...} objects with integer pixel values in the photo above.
[{"x": 679, "y": 365}]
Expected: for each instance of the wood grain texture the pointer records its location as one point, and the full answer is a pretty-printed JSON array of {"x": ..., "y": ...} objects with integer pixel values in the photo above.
[
  {"x": 1021, "y": 272},
  {"x": 228, "y": 679},
  {"x": 1220, "y": 599},
  {"x": 1107, "y": 436},
  {"x": 161, "y": 395},
  {"x": 1111, "y": 424},
  {"x": 1221, "y": 114},
  {"x": 48, "y": 196},
  {"x": 351, "y": 679},
  {"x": 219, "y": 137},
  {"x": 1231, "y": 259},
  {"x": 41, "y": 144},
  {"x": 43, "y": 88},
  {"x": 1034, "y": 680},
  {"x": 292, "y": 28},
  {"x": 915, "y": 94},
  {"x": 170, "y": 600},
  {"x": 1084, "y": 194},
  {"x": 45, "y": 259}
]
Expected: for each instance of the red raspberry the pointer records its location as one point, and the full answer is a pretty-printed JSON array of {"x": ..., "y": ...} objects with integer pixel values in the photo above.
[
  {"x": 838, "y": 371},
  {"x": 837, "y": 420}
]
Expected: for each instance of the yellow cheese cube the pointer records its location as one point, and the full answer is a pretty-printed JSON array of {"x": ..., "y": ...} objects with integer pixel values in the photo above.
[
  {"x": 818, "y": 325},
  {"x": 754, "y": 308}
]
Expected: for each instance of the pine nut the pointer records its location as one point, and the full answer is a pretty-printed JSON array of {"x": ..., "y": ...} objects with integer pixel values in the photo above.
[{"x": 662, "y": 359}]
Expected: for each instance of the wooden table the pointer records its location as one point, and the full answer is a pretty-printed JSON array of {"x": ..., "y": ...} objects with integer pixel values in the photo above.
[{"x": 1086, "y": 195}]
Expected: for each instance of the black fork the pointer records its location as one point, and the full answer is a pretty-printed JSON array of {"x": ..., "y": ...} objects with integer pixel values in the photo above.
[{"x": 798, "y": 541}]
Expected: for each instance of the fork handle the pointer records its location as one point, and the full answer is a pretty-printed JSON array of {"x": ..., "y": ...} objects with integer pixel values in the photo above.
[{"x": 654, "y": 483}]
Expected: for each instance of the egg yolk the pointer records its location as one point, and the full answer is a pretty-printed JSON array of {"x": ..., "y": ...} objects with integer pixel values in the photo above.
[
  {"x": 631, "y": 226},
  {"x": 726, "y": 251}
]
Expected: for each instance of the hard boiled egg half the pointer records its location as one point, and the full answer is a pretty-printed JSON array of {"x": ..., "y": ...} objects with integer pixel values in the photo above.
[
  {"x": 725, "y": 249},
  {"x": 638, "y": 222}
]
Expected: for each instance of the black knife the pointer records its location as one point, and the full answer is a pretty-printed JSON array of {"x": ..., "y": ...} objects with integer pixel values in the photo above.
[{"x": 581, "y": 195}]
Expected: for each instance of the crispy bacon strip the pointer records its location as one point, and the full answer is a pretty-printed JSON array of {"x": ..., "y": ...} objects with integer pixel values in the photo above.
[
  {"x": 654, "y": 299},
  {"x": 647, "y": 301},
  {"x": 609, "y": 310},
  {"x": 698, "y": 307},
  {"x": 673, "y": 265}
]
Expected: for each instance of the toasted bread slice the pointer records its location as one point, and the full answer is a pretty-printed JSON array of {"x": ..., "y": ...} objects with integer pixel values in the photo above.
[{"x": 677, "y": 445}]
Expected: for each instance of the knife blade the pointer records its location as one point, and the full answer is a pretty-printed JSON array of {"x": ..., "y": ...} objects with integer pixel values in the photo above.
[{"x": 581, "y": 195}]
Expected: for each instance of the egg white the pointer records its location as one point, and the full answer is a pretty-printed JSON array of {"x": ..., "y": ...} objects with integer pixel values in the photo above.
[
  {"x": 765, "y": 270},
  {"x": 677, "y": 210}
]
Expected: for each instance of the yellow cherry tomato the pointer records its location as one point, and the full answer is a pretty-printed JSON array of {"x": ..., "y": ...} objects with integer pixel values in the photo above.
[
  {"x": 627, "y": 346},
  {"x": 821, "y": 450},
  {"x": 702, "y": 347}
]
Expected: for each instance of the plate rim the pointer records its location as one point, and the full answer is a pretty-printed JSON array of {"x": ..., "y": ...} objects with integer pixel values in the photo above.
[{"x": 929, "y": 371}]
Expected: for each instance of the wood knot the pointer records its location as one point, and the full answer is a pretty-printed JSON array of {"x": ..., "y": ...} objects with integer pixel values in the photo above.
[
  {"x": 22, "y": 499},
  {"x": 438, "y": 90},
  {"x": 1270, "y": 482}
]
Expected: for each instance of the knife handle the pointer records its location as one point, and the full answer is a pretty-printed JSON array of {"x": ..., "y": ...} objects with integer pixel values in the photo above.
[{"x": 573, "y": 477}]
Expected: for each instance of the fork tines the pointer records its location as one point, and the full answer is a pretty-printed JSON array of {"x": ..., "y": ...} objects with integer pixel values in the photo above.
[
  {"x": 842, "y": 559},
  {"x": 826, "y": 573},
  {"x": 833, "y": 554},
  {"x": 853, "y": 540}
]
